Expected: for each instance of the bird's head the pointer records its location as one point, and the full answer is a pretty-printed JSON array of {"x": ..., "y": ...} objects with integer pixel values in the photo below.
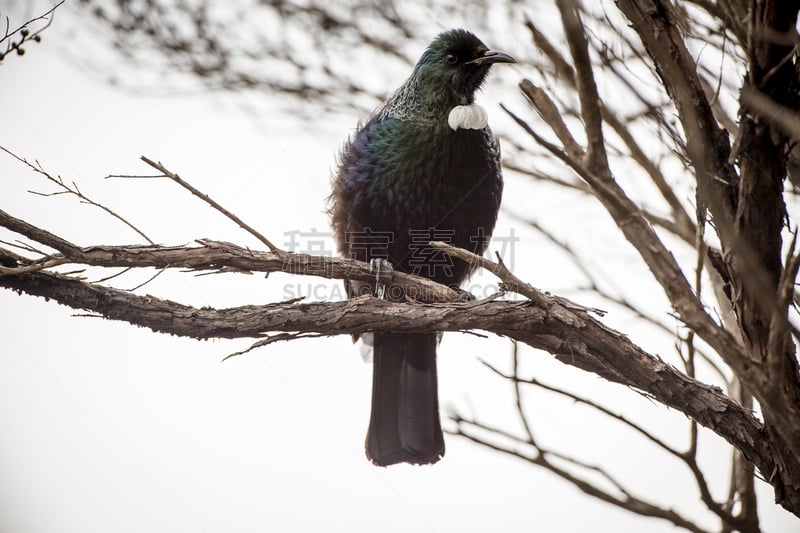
[{"x": 453, "y": 67}]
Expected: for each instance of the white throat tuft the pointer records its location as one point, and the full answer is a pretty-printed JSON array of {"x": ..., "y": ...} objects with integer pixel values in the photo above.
[{"x": 468, "y": 117}]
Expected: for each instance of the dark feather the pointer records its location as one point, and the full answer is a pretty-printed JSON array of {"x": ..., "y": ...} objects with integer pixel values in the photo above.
[{"x": 406, "y": 178}]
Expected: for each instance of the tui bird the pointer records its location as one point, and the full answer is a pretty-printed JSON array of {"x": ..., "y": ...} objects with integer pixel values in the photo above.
[{"x": 424, "y": 167}]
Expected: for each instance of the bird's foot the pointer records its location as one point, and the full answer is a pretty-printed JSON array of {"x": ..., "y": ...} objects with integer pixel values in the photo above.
[{"x": 383, "y": 270}]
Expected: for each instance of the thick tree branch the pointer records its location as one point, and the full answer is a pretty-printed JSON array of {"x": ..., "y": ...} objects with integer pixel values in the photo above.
[
  {"x": 213, "y": 256},
  {"x": 658, "y": 258},
  {"x": 567, "y": 332},
  {"x": 682, "y": 225},
  {"x": 748, "y": 211}
]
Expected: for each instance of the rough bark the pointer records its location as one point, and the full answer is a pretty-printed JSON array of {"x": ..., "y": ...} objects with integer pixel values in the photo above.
[
  {"x": 567, "y": 331},
  {"x": 739, "y": 185},
  {"x": 747, "y": 208}
]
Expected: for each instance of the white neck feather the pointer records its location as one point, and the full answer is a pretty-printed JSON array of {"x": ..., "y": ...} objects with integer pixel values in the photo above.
[{"x": 468, "y": 117}]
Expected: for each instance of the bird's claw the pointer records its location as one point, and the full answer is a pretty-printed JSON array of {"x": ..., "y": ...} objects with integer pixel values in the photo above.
[{"x": 383, "y": 270}]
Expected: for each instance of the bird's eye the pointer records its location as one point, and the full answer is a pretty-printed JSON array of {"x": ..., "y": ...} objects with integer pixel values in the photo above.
[{"x": 451, "y": 59}]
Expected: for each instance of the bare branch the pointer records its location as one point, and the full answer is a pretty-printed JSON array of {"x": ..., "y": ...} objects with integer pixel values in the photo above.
[
  {"x": 772, "y": 112},
  {"x": 270, "y": 339},
  {"x": 596, "y": 157},
  {"x": 683, "y": 225},
  {"x": 189, "y": 187},
  {"x": 25, "y": 34},
  {"x": 34, "y": 266},
  {"x": 518, "y": 396},
  {"x": 658, "y": 258},
  {"x": 548, "y": 111},
  {"x": 510, "y": 281},
  {"x": 212, "y": 255},
  {"x": 627, "y": 502},
  {"x": 737, "y": 188},
  {"x": 563, "y": 69},
  {"x": 569, "y": 333},
  {"x": 688, "y": 457},
  {"x": 74, "y": 190}
]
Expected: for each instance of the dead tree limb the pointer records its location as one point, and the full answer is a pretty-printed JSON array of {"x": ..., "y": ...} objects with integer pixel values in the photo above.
[{"x": 570, "y": 333}]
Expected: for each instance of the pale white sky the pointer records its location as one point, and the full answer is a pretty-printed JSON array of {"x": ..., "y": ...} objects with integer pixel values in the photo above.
[{"x": 111, "y": 428}]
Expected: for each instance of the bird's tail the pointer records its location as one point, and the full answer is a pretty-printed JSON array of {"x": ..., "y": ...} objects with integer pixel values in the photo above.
[{"x": 404, "y": 426}]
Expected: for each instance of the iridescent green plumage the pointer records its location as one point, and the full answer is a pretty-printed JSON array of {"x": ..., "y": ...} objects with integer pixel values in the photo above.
[{"x": 408, "y": 177}]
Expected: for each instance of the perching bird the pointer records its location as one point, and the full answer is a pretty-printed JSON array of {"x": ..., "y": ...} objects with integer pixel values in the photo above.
[{"x": 424, "y": 167}]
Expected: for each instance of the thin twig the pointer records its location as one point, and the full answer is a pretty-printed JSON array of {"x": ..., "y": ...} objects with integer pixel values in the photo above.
[
  {"x": 272, "y": 339},
  {"x": 518, "y": 394},
  {"x": 689, "y": 457},
  {"x": 50, "y": 262},
  {"x": 154, "y": 276},
  {"x": 66, "y": 189},
  {"x": 25, "y": 34},
  {"x": 206, "y": 198},
  {"x": 627, "y": 502},
  {"x": 510, "y": 281},
  {"x": 107, "y": 278}
]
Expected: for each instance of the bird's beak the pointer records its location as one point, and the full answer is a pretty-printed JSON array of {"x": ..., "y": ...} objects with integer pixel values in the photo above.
[{"x": 491, "y": 56}]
